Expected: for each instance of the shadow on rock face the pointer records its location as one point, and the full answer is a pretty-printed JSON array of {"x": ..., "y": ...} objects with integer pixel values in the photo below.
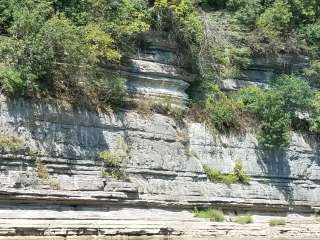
[{"x": 275, "y": 164}]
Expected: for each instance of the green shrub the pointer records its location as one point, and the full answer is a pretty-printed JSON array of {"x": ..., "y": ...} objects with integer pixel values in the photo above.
[
  {"x": 294, "y": 94},
  {"x": 275, "y": 20},
  {"x": 10, "y": 143},
  {"x": 238, "y": 175},
  {"x": 110, "y": 158},
  {"x": 42, "y": 170},
  {"x": 211, "y": 213},
  {"x": 274, "y": 129},
  {"x": 315, "y": 113},
  {"x": 231, "y": 60},
  {"x": 251, "y": 97},
  {"x": 244, "y": 219},
  {"x": 312, "y": 73},
  {"x": 248, "y": 12},
  {"x": 216, "y": 176},
  {"x": 311, "y": 33},
  {"x": 113, "y": 159},
  {"x": 277, "y": 222},
  {"x": 11, "y": 82},
  {"x": 217, "y": 110},
  {"x": 115, "y": 173},
  {"x": 276, "y": 108},
  {"x": 112, "y": 162}
]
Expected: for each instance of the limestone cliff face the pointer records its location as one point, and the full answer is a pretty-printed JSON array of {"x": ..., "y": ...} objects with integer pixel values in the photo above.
[
  {"x": 155, "y": 71},
  {"x": 162, "y": 161},
  {"x": 163, "y": 167},
  {"x": 265, "y": 68}
]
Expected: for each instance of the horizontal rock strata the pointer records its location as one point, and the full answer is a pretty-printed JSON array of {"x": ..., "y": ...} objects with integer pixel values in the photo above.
[{"x": 164, "y": 176}]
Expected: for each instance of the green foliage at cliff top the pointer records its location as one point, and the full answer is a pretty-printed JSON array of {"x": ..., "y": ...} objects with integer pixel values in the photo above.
[
  {"x": 235, "y": 30},
  {"x": 289, "y": 103},
  {"x": 55, "y": 47},
  {"x": 58, "y": 48}
]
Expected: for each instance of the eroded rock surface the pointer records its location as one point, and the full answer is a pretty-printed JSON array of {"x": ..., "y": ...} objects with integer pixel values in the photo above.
[{"x": 164, "y": 176}]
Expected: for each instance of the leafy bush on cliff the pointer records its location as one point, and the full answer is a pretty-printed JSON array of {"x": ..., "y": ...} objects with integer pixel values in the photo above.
[
  {"x": 312, "y": 74},
  {"x": 275, "y": 20},
  {"x": 315, "y": 113},
  {"x": 216, "y": 109},
  {"x": 55, "y": 48},
  {"x": 238, "y": 175},
  {"x": 112, "y": 161},
  {"x": 276, "y": 109}
]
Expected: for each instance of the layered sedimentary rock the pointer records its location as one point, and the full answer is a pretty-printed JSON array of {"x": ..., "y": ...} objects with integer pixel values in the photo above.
[
  {"x": 262, "y": 69},
  {"x": 53, "y": 181},
  {"x": 155, "y": 70},
  {"x": 164, "y": 176}
]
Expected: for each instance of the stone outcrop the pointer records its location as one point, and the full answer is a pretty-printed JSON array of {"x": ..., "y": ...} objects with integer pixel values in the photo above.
[
  {"x": 155, "y": 70},
  {"x": 164, "y": 176},
  {"x": 53, "y": 181},
  {"x": 262, "y": 69}
]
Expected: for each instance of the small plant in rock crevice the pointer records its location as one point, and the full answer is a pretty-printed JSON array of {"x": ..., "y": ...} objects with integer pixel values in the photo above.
[
  {"x": 238, "y": 175},
  {"x": 277, "y": 222},
  {"x": 210, "y": 213},
  {"x": 113, "y": 159},
  {"x": 11, "y": 143},
  {"x": 42, "y": 170},
  {"x": 167, "y": 105},
  {"x": 244, "y": 219},
  {"x": 110, "y": 158},
  {"x": 43, "y": 175},
  {"x": 112, "y": 164}
]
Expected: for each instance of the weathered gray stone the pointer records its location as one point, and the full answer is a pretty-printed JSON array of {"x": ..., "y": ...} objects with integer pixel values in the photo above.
[
  {"x": 265, "y": 68},
  {"x": 162, "y": 162}
]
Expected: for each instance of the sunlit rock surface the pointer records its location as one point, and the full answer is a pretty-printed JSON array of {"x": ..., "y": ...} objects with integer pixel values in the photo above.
[
  {"x": 164, "y": 176},
  {"x": 155, "y": 70},
  {"x": 54, "y": 183}
]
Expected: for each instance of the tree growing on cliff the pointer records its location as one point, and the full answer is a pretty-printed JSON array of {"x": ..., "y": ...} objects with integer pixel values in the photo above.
[{"x": 55, "y": 48}]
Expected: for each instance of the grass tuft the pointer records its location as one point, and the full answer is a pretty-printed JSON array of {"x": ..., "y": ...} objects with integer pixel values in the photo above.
[
  {"x": 42, "y": 170},
  {"x": 244, "y": 219},
  {"x": 111, "y": 159},
  {"x": 210, "y": 213},
  {"x": 10, "y": 143},
  {"x": 238, "y": 175},
  {"x": 112, "y": 164},
  {"x": 277, "y": 222}
]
